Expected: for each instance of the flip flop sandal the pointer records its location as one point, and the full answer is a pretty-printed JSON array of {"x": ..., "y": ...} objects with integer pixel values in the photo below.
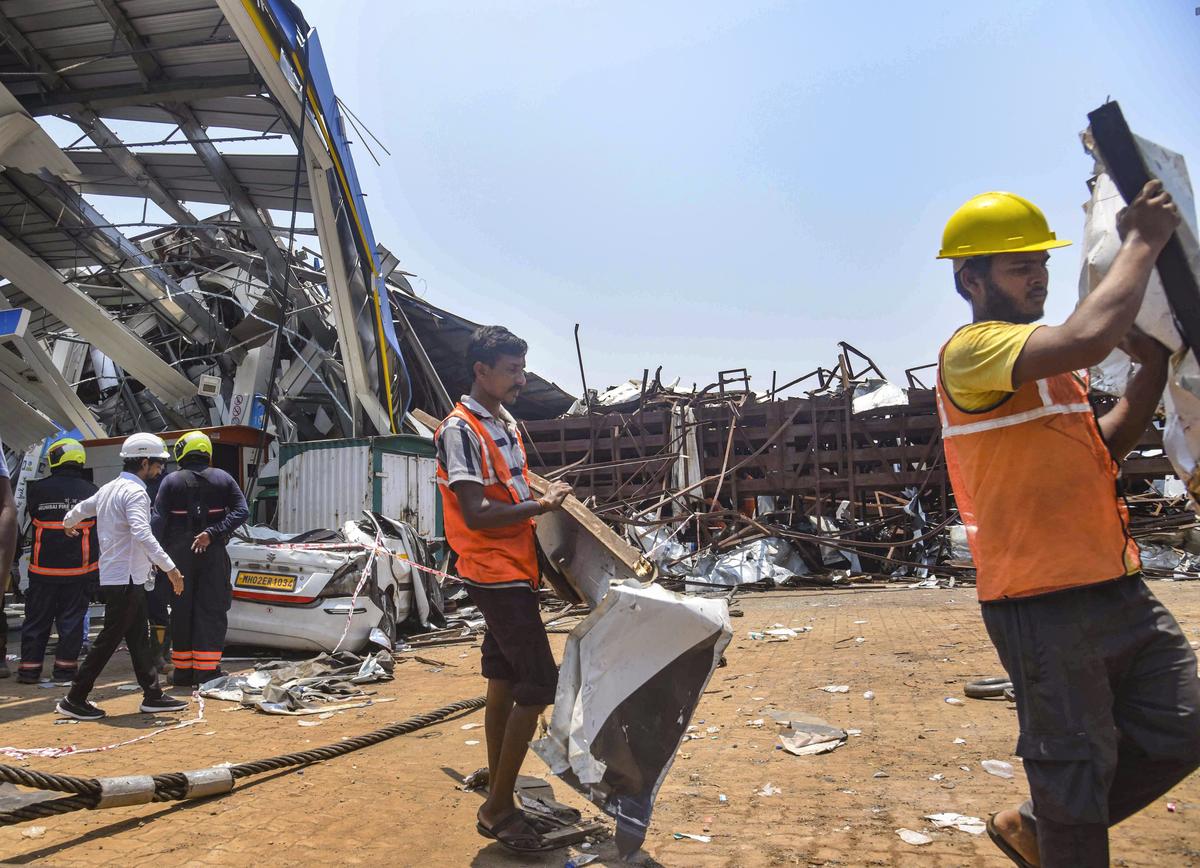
[
  {"x": 514, "y": 839},
  {"x": 1006, "y": 848},
  {"x": 542, "y": 823},
  {"x": 549, "y": 809}
]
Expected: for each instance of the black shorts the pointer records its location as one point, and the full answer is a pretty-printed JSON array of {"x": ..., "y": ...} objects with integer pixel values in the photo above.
[{"x": 515, "y": 647}]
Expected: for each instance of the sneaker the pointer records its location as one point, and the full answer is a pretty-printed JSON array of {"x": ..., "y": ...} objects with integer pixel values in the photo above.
[
  {"x": 155, "y": 704},
  {"x": 79, "y": 710}
]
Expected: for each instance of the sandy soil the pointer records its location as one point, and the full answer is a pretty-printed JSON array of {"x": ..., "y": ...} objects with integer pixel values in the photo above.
[{"x": 396, "y": 803}]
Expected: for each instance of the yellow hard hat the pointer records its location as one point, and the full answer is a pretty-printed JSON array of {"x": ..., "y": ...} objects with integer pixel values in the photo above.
[
  {"x": 993, "y": 223},
  {"x": 193, "y": 442},
  {"x": 66, "y": 450}
]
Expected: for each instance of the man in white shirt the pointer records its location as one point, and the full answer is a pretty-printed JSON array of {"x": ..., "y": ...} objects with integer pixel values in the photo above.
[
  {"x": 8, "y": 548},
  {"x": 127, "y": 551}
]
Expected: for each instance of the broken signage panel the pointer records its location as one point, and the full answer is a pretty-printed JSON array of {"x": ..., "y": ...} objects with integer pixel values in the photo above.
[
  {"x": 585, "y": 551},
  {"x": 632, "y": 674},
  {"x": 1158, "y": 316}
]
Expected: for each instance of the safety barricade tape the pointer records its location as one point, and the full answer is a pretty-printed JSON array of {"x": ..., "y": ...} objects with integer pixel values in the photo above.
[{"x": 56, "y": 752}]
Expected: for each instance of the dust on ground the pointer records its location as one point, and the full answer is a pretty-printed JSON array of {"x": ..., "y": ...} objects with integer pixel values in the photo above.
[{"x": 397, "y": 803}]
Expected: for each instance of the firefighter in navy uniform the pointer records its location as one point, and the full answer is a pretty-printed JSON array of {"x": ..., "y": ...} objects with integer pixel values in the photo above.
[
  {"x": 196, "y": 510},
  {"x": 63, "y": 571}
]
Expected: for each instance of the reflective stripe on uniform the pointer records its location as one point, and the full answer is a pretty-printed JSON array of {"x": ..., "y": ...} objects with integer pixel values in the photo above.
[
  {"x": 1048, "y": 408},
  {"x": 1015, "y": 419},
  {"x": 64, "y": 571},
  {"x": 35, "y": 556},
  {"x": 206, "y": 660},
  {"x": 490, "y": 452}
]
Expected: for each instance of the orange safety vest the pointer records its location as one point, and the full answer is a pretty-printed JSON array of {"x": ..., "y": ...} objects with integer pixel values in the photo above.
[
  {"x": 1037, "y": 490},
  {"x": 498, "y": 554}
]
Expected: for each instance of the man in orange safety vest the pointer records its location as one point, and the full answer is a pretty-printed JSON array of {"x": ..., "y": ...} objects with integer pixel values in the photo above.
[
  {"x": 489, "y": 510},
  {"x": 1108, "y": 701}
]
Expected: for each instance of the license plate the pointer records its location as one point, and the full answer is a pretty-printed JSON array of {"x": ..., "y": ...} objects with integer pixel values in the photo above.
[{"x": 266, "y": 581}]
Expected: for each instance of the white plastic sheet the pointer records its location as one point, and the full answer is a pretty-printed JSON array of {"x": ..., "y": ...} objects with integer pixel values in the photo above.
[
  {"x": 1101, "y": 242},
  {"x": 631, "y": 676}
]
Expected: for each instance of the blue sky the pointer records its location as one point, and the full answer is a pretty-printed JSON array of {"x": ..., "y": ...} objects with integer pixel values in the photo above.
[{"x": 718, "y": 185}]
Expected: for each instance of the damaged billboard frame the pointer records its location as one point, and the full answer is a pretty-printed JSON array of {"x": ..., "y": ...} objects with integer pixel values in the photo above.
[{"x": 293, "y": 61}]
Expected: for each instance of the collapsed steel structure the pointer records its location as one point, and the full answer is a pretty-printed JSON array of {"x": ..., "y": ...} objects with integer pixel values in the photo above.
[{"x": 221, "y": 319}]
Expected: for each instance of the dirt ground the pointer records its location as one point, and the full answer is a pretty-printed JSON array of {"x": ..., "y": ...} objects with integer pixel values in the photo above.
[{"x": 396, "y": 803}]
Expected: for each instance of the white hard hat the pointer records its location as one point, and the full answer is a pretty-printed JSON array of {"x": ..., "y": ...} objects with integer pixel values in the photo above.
[{"x": 144, "y": 445}]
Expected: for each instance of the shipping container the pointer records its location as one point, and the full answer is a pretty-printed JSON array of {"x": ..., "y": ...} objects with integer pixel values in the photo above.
[{"x": 326, "y": 483}]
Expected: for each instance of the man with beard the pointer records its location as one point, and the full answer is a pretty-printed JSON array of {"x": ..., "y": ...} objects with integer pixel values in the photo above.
[
  {"x": 1108, "y": 701},
  {"x": 489, "y": 511}
]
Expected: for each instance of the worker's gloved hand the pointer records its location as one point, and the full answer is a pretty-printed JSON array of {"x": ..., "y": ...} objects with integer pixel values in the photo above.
[
  {"x": 176, "y": 578},
  {"x": 201, "y": 542},
  {"x": 1153, "y": 215},
  {"x": 554, "y": 496}
]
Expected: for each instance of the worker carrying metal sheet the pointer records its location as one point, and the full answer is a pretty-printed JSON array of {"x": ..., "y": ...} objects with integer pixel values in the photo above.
[
  {"x": 489, "y": 511},
  {"x": 1108, "y": 701},
  {"x": 196, "y": 510},
  {"x": 64, "y": 572}
]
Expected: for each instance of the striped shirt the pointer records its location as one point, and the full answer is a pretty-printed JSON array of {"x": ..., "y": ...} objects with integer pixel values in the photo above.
[{"x": 459, "y": 450}]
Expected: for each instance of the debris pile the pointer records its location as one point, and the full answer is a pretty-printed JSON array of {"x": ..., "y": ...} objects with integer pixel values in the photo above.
[
  {"x": 725, "y": 487},
  {"x": 325, "y": 684}
]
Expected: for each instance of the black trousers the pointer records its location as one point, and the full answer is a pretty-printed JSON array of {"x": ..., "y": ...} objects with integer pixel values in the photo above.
[
  {"x": 53, "y": 604},
  {"x": 1108, "y": 703},
  {"x": 200, "y": 615},
  {"x": 158, "y": 601},
  {"x": 516, "y": 648},
  {"x": 124, "y": 618}
]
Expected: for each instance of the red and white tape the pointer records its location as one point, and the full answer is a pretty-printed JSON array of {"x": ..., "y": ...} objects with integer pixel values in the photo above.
[{"x": 56, "y": 752}]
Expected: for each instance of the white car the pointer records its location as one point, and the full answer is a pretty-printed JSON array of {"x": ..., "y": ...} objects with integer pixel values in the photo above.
[{"x": 323, "y": 589}]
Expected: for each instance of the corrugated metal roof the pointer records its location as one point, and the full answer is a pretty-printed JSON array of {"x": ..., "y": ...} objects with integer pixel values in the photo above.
[
  {"x": 267, "y": 178},
  {"x": 189, "y": 40},
  {"x": 29, "y": 228},
  {"x": 255, "y": 113},
  {"x": 81, "y": 57}
]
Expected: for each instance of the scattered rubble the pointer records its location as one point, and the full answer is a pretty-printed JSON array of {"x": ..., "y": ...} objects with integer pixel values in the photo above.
[
  {"x": 970, "y": 825},
  {"x": 917, "y": 839},
  {"x": 999, "y": 768},
  {"x": 327, "y": 682}
]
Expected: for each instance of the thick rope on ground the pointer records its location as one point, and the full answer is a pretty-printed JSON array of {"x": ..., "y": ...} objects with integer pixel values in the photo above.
[
  {"x": 173, "y": 785},
  {"x": 49, "y": 781}
]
